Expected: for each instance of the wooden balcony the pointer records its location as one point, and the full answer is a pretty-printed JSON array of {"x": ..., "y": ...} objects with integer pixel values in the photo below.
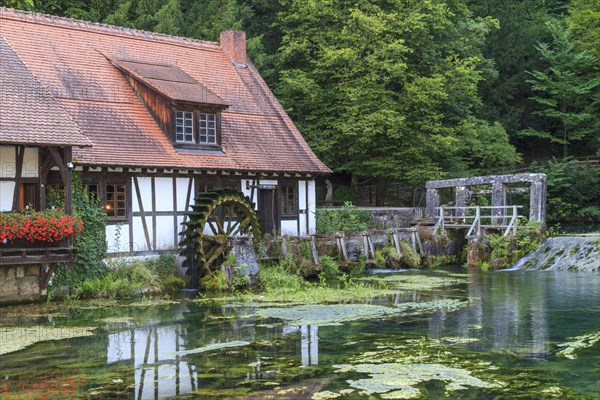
[{"x": 21, "y": 252}]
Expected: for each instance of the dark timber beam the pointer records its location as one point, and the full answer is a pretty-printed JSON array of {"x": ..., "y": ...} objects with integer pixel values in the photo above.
[{"x": 19, "y": 156}]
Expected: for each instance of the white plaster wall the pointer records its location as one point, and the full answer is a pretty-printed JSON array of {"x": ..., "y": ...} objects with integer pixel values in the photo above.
[
  {"x": 30, "y": 163},
  {"x": 145, "y": 194},
  {"x": 164, "y": 195},
  {"x": 117, "y": 238},
  {"x": 164, "y": 233},
  {"x": 302, "y": 206},
  {"x": 182, "y": 186},
  {"x": 7, "y": 162},
  {"x": 289, "y": 227},
  {"x": 6, "y": 195},
  {"x": 312, "y": 207},
  {"x": 139, "y": 239}
]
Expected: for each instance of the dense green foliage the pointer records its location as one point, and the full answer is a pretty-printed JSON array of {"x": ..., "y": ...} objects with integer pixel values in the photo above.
[
  {"x": 347, "y": 218},
  {"x": 407, "y": 90},
  {"x": 90, "y": 243},
  {"x": 573, "y": 192}
]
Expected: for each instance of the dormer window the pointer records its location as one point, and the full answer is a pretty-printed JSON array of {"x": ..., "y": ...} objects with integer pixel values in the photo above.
[
  {"x": 184, "y": 127},
  {"x": 196, "y": 128},
  {"x": 188, "y": 112},
  {"x": 207, "y": 128}
]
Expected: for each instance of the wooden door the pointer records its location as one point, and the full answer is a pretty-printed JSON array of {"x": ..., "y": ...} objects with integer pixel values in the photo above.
[{"x": 268, "y": 211}]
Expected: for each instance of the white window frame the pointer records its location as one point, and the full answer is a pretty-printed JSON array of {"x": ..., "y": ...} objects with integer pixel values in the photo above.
[
  {"x": 184, "y": 127},
  {"x": 207, "y": 134}
]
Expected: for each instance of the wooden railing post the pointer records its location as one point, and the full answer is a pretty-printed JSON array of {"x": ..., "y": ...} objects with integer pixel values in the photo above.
[
  {"x": 516, "y": 217},
  {"x": 478, "y": 220}
]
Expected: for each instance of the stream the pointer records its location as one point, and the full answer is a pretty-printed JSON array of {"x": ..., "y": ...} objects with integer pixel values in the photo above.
[{"x": 502, "y": 335}]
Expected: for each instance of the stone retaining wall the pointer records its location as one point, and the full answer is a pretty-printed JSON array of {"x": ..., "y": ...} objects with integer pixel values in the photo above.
[{"x": 21, "y": 283}]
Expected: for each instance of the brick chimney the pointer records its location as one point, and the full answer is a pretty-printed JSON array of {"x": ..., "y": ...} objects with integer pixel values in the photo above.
[{"x": 233, "y": 44}]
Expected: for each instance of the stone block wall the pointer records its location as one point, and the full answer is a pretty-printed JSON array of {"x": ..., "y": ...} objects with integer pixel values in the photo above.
[{"x": 20, "y": 283}]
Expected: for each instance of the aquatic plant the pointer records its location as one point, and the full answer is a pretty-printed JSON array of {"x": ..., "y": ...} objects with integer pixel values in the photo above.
[
  {"x": 398, "y": 381},
  {"x": 579, "y": 342},
  {"x": 215, "y": 346},
  {"x": 17, "y": 338},
  {"x": 335, "y": 314}
]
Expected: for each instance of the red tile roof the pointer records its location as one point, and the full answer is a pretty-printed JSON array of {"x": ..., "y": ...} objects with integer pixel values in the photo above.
[
  {"x": 170, "y": 81},
  {"x": 72, "y": 60},
  {"x": 28, "y": 113}
]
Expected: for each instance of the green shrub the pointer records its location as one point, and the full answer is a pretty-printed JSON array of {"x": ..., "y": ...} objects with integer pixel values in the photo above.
[
  {"x": 329, "y": 267},
  {"x": 281, "y": 276},
  {"x": 346, "y": 218},
  {"x": 215, "y": 281},
  {"x": 164, "y": 265}
]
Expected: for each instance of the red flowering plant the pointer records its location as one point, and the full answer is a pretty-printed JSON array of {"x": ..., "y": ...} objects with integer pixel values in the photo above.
[{"x": 50, "y": 225}]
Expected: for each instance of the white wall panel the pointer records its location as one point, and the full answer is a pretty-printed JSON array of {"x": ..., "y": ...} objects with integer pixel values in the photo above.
[
  {"x": 311, "y": 207},
  {"x": 289, "y": 227},
  {"x": 145, "y": 192},
  {"x": 182, "y": 188},
  {"x": 164, "y": 195},
  {"x": 302, "y": 206},
  {"x": 7, "y": 162},
  {"x": 164, "y": 233},
  {"x": 30, "y": 163},
  {"x": 6, "y": 195},
  {"x": 117, "y": 238},
  {"x": 139, "y": 239}
]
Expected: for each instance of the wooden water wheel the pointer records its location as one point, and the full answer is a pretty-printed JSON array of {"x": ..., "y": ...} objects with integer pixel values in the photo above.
[{"x": 216, "y": 217}]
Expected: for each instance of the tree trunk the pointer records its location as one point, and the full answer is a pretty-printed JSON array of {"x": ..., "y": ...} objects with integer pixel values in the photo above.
[{"x": 381, "y": 191}]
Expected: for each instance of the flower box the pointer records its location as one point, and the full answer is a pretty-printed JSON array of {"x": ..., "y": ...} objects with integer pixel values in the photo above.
[{"x": 34, "y": 229}]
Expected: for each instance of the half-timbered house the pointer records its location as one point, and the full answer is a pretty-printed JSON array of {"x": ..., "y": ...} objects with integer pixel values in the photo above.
[{"x": 167, "y": 117}]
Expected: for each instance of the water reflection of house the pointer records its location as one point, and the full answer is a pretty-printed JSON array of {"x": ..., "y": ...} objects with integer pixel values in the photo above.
[
  {"x": 309, "y": 342},
  {"x": 153, "y": 353}
]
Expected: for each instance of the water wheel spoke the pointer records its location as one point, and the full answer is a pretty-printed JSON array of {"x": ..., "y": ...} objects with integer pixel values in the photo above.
[
  {"x": 243, "y": 224},
  {"x": 230, "y": 217},
  {"x": 219, "y": 219},
  {"x": 212, "y": 228},
  {"x": 215, "y": 253}
]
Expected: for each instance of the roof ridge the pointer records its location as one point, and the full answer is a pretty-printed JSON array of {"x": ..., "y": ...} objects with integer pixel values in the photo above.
[{"x": 53, "y": 20}]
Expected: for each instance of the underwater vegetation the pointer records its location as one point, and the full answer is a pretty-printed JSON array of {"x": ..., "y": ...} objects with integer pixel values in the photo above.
[
  {"x": 17, "y": 338},
  {"x": 569, "y": 349},
  {"x": 324, "y": 315}
]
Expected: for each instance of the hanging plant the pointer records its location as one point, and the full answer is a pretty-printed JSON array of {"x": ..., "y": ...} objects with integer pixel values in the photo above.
[{"x": 51, "y": 225}]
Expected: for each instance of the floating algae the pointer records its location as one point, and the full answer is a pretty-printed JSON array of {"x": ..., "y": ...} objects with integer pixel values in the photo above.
[
  {"x": 404, "y": 282},
  {"x": 579, "y": 342},
  {"x": 397, "y": 381},
  {"x": 432, "y": 306},
  {"x": 18, "y": 338},
  {"x": 215, "y": 346},
  {"x": 335, "y": 314},
  {"x": 315, "y": 314}
]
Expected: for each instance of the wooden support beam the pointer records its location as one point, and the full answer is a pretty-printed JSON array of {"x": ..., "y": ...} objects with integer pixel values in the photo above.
[
  {"x": 19, "y": 156},
  {"x": 143, "y": 217}
]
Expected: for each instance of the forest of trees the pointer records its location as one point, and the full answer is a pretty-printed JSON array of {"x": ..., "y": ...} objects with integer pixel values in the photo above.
[{"x": 407, "y": 90}]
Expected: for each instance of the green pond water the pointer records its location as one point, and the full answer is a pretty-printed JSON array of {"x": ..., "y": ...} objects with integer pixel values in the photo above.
[{"x": 503, "y": 335}]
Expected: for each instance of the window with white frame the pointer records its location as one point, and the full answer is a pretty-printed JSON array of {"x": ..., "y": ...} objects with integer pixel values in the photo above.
[
  {"x": 184, "y": 127},
  {"x": 207, "y": 128}
]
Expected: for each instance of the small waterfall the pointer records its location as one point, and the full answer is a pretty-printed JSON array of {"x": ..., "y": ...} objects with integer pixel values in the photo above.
[{"x": 566, "y": 253}]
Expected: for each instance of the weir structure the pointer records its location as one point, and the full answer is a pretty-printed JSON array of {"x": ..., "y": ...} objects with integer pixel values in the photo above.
[
  {"x": 500, "y": 216},
  {"x": 500, "y": 186}
]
